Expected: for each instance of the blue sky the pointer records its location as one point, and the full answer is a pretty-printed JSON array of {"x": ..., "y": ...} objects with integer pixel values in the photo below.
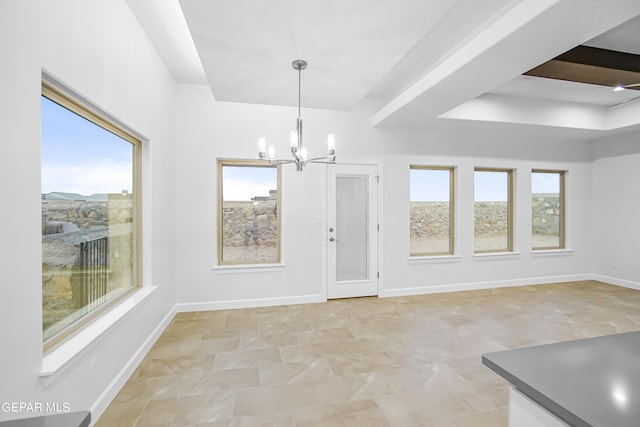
[
  {"x": 80, "y": 157},
  {"x": 545, "y": 182},
  {"x": 427, "y": 185},
  {"x": 243, "y": 183},
  {"x": 490, "y": 186},
  {"x": 433, "y": 185}
]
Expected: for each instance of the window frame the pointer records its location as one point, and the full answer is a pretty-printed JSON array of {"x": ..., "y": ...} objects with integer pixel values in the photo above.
[
  {"x": 452, "y": 181},
  {"x": 72, "y": 103},
  {"x": 562, "y": 237},
  {"x": 510, "y": 213},
  {"x": 248, "y": 163}
]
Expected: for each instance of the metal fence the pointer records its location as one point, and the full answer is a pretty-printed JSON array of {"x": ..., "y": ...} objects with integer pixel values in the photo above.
[{"x": 94, "y": 262}]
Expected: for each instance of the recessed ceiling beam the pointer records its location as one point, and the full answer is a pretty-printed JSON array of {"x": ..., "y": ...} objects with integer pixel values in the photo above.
[{"x": 585, "y": 64}]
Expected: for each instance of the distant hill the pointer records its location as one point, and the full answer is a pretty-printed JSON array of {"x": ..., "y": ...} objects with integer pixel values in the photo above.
[{"x": 75, "y": 197}]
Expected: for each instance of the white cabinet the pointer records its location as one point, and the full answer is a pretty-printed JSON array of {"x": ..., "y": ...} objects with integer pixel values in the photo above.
[{"x": 524, "y": 412}]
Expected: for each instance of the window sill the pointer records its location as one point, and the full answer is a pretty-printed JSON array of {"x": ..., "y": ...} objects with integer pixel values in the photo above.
[
  {"x": 489, "y": 255},
  {"x": 248, "y": 268},
  {"x": 434, "y": 259},
  {"x": 551, "y": 252},
  {"x": 56, "y": 362}
]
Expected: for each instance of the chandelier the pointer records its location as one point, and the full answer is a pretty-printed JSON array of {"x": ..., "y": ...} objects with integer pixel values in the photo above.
[{"x": 298, "y": 152}]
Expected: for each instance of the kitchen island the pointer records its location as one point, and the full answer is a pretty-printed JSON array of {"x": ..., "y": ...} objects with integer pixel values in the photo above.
[
  {"x": 70, "y": 419},
  {"x": 592, "y": 382}
]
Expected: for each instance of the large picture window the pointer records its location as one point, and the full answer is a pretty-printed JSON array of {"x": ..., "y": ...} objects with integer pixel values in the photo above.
[
  {"x": 90, "y": 214},
  {"x": 493, "y": 210},
  {"x": 431, "y": 210},
  {"x": 547, "y": 209},
  {"x": 248, "y": 212}
]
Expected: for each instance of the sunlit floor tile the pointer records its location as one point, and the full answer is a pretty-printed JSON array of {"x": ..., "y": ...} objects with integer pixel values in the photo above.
[
  {"x": 187, "y": 410},
  {"x": 277, "y": 398},
  {"x": 350, "y": 414},
  {"x": 421, "y": 406},
  {"x": 389, "y": 362},
  {"x": 352, "y": 387},
  {"x": 122, "y": 414},
  {"x": 494, "y": 418},
  {"x": 294, "y": 372},
  {"x": 228, "y": 379}
]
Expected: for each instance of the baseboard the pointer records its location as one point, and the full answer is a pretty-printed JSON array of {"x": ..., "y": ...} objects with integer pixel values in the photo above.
[
  {"x": 248, "y": 303},
  {"x": 473, "y": 286},
  {"x": 618, "y": 282},
  {"x": 114, "y": 387}
]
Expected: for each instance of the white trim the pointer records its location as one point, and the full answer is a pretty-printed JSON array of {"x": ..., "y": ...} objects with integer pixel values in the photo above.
[
  {"x": 551, "y": 252},
  {"x": 248, "y": 268},
  {"x": 380, "y": 228},
  {"x": 473, "y": 286},
  {"x": 435, "y": 259},
  {"x": 487, "y": 255},
  {"x": 96, "y": 107},
  {"x": 370, "y": 286},
  {"x": 248, "y": 303},
  {"x": 104, "y": 400},
  {"x": 58, "y": 361},
  {"x": 618, "y": 282},
  {"x": 324, "y": 235}
]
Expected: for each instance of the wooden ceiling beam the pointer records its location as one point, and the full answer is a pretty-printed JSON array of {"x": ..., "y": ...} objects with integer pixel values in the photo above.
[{"x": 585, "y": 64}]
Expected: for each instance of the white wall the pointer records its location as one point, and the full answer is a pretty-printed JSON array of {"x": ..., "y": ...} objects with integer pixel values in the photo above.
[
  {"x": 408, "y": 276},
  {"x": 616, "y": 209},
  {"x": 99, "y": 50},
  {"x": 208, "y": 129}
]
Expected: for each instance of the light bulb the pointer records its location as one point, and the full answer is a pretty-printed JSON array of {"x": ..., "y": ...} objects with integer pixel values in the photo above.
[
  {"x": 331, "y": 143},
  {"x": 294, "y": 139},
  {"x": 272, "y": 152},
  {"x": 303, "y": 153},
  {"x": 262, "y": 144}
]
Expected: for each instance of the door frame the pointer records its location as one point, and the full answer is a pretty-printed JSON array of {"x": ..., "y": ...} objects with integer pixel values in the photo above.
[{"x": 377, "y": 253}]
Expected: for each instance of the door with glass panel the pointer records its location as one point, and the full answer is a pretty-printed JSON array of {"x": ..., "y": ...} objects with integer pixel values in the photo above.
[{"x": 352, "y": 231}]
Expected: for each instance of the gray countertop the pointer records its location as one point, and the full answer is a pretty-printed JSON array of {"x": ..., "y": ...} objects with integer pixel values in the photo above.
[
  {"x": 590, "y": 382},
  {"x": 71, "y": 419}
]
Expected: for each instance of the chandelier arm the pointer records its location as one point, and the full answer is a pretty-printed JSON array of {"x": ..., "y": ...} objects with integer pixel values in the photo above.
[
  {"x": 325, "y": 159},
  {"x": 324, "y": 162},
  {"x": 278, "y": 161}
]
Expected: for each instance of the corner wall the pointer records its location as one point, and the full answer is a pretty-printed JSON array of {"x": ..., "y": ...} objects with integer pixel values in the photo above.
[
  {"x": 99, "y": 50},
  {"x": 616, "y": 209}
]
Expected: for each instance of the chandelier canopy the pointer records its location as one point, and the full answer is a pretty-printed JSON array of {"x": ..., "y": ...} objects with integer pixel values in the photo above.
[{"x": 298, "y": 152}]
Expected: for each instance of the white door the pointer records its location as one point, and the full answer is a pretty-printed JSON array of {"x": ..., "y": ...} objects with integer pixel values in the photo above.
[{"x": 352, "y": 231}]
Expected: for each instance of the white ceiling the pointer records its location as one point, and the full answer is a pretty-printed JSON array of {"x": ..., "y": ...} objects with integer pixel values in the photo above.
[
  {"x": 560, "y": 90},
  {"x": 247, "y": 46},
  {"x": 623, "y": 38},
  {"x": 423, "y": 62}
]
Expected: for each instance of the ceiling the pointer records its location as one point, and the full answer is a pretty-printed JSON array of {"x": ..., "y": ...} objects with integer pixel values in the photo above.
[{"x": 423, "y": 63}]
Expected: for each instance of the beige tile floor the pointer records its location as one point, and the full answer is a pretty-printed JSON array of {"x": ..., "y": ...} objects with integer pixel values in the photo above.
[{"x": 410, "y": 361}]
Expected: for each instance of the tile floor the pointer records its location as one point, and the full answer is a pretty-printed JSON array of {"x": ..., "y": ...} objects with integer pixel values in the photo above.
[{"x": 409, "y": 361}]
